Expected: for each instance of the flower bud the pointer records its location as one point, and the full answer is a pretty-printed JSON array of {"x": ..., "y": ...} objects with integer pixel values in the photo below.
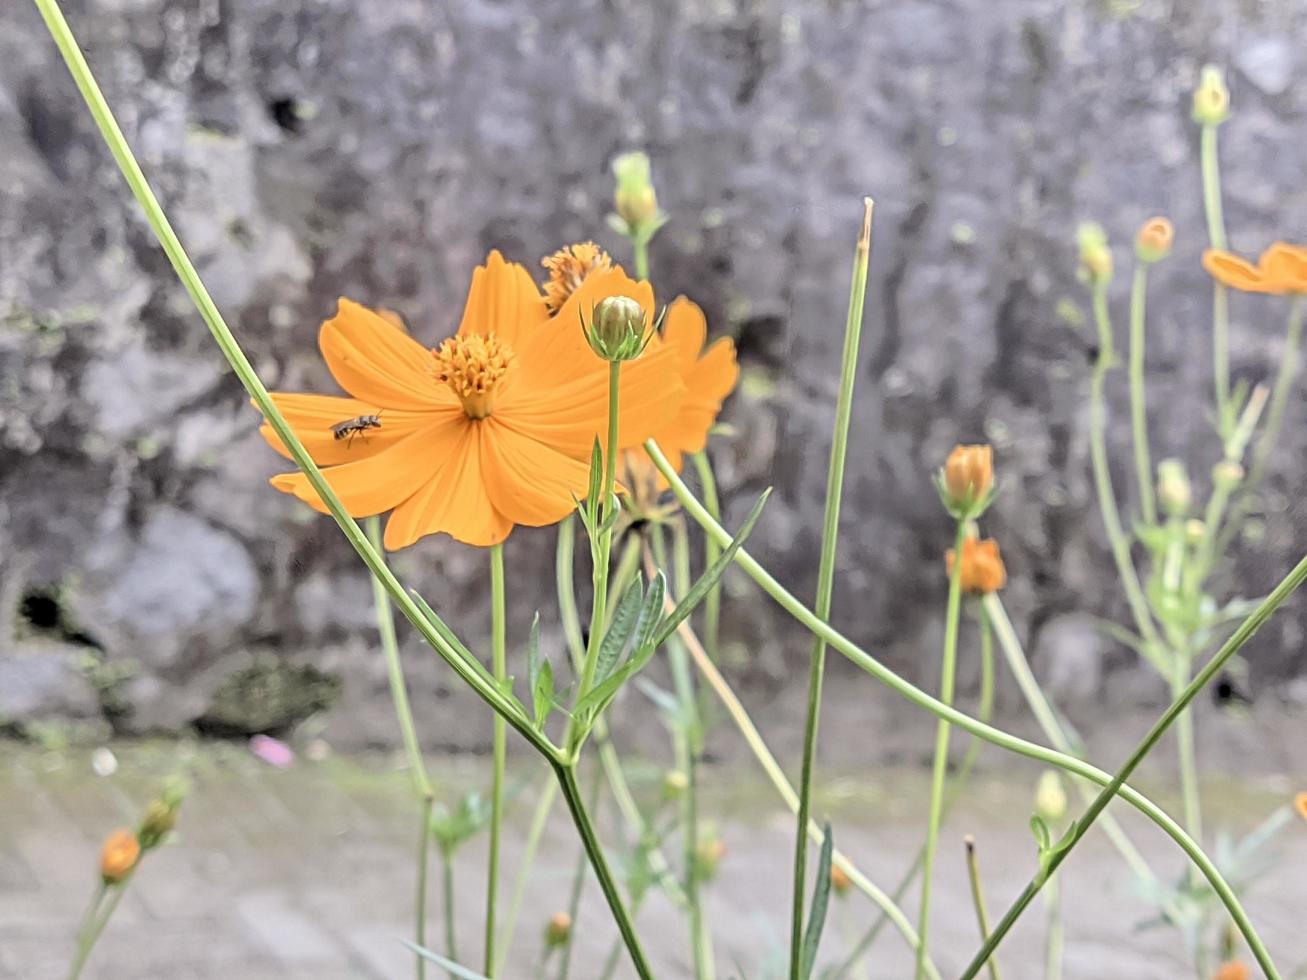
[
  {"x": 118, "y": 855},
  {"x": 707, "y": 856},
  {"x": 160, "y": 818},
  {"x": 1173, "y": 491},
  {"x": 1300, "y": 804},
  {"x": 982, "y": 566},
  {"x": 1231, "y": 970},
  {"x": 559, "y": 930},
  {"x": 617, "y": 330},
  {"x": 1194, "y": 532},
  {"x": 1095, "y": 255},
  {"x": 1227, "y": 475},
  {"x": 1154, "y": 241},
  {"x": 675, "y": 783},
  {"x": 1211, "y": 98},
  {"x": 635, "y": 199},
  {"x": 1050, "y": 797},
  {"x": 967, "y": 479},
  {"x": 839, "y": 880}
]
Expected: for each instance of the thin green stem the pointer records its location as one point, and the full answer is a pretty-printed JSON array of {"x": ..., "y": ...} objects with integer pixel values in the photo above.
[
  {"x": 1116, "y": 536},
  {"x": 594, "y": 850},
  {"x": 1054, "y": 933},
  {"x": 1138, "y": 396},
  {"x": 600, "y": 552},
  {"x": 1211, "y": 172},
  {"x": 231, "y": 350},
  {"x": 826, "y": 579},
  {"x": 984, "y": 708},
  {"x": 98, "y": 925},
  {"x": 978, "y": 901},
  {"x": 990, "y": 734},
  {"x": 640, "y": 254},
  {"x": 544, "y": 805},
  {"x": 499, "y": 666},
  {"x": 448, "y": 894},
  {"x": 712, "y": 603},
  {"x": 890, "y": 910},
  {"x": 949, "y": 667},
  {"x": 84, "y": 941},
  {"x": 1212, "y": 188},
  {"x": 1184, "y": 730},
  {"x": 574, "y": 892},
  {"x": 1280, "y": 391},
  {"x": 1117, "y": 784},
  {"x": 420, "y": 900}
]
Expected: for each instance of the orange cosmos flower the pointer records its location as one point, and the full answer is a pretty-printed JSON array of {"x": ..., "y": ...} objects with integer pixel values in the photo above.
[
  {"x": 569, "y": 267},
  {"x": 982, "y": 566},
  {"x": 1282, "y": 268},
  {"x": 493, "y": 428}
]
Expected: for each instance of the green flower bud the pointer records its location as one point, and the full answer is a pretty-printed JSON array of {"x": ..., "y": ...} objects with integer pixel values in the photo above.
[
  {"x": 1095, "y": 255},
  {"x": 617, "y": 329},
  {"x": 1194, "y": 532},
  {"x": 1211, "y": 98},
  {"x": 1173, "y": 490},
  {"x": 635, "y": 199},
  {"x": 675, "y": 783},
  {"x": 1050, "y": 798},
  {"x": 559, "y": 930}
]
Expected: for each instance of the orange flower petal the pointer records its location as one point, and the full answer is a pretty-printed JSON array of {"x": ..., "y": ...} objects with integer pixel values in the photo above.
[
  {"x": 380, "y": 482},
  {"x": 685, "y": 328},
  {"x": 454, "y": 500},
  {"x": 313, "y": 416},
  {"x": 1287, "y": 265},
  {"x": 376, "y": 362},
  {"x": 708, "y": 381},
  {"x": 505, "y": 300},
  {"x": 528, "y": 482},
  {"x": 1230, "y": 270}
]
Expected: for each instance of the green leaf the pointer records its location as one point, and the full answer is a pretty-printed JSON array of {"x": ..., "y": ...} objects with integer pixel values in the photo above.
[
  {"x": 597, "y": 698},
  {"x": 596, "y": 482},
  {"x": 820, "y": 901},
  {"x": 619, "y": 632},
  {"x": 710, "y": 576},
  {"x": 651, "y": 612},
  {"x": 454, "y": 969},
  {"x": 542, "y": 694},
  {"x": 1042, "y": 836},
  {"x": 533, "y": 659}
]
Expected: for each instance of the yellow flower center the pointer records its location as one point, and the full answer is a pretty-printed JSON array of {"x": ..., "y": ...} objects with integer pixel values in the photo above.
[
  {"x": 568, "y": 268},
  {"x": 472, "y": 365}
]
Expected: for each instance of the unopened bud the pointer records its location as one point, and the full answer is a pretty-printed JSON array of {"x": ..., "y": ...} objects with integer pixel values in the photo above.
[
  {"x": 839, "y": 880},
  {"x": 1227, "y": 475},
  {"x": 1050, "y": 797},
  {"x": 635, "y": 199},
  {"x": 160, "y": 818},
  {"x": 1154, "y": 241},
  {"x": 675, "y": 783},
  {"x": 1211, "y": 98},
  {"x": 1231, "y": 970},
  {"x": 707, "y": 856},
  {"x": 1095, "y": 255},
  {"x": 559, "y": 930},
  {"x": 1194, "y": 532},
  {"x": 617, "y": 329},
  {"x": 1173, "y": 490},
  {"x": 118, "y": 856},
  {"x": 1300, "y": 804},
  {"x": 967, "y": 479}
]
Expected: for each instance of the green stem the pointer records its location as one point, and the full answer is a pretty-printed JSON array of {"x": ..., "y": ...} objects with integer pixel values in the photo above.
[
  {"x": 84, "y": 941},
  {"x": 1116, "y": 536},
  {"x": 98, "y": 926},
  {"x": 1117, "y": 784},
  {"x": 712, "y": 603},
  {"x": 826, "y": 580},
  {"x": 574, "y": 893},
  {"x": 941, "y": 741},
  {"x": 1054, "y": 940},
  {"x": 447, "y": 898},
  {"x": 594, "y": 850},
  {"x": 231, "y": 350},
  {"x": 1138, "y": 402},
  {"x": 1052, "y": 727},
  {"x": 990, "y": 734},
  {"x": 1280, "y": 392},
  {"x": 420, "y": 901},
  {"x": 544, "y": 805},
  {"x": 984, "y": 709},
  {"x": 600, "y": 551},
  {"x": 1211, "y": 173},
  {"x": 640, "y": 250},
  {"x": 776, "y": 775},
  {"x": 978, "y": 901},
  {"x": 499, "y": 664},
  {"x": 1184, "y": 730}
]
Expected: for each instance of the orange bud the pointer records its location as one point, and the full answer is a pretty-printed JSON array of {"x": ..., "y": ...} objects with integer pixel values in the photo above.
[
  {"x": 559, "y": 929},
  {"x": 1300, "y": 804},
  {"x": 1231, "y": 970},
  {"x": 982, "y": 566},
  {"x": 968, "y": 476},
  {"x": 1154, "y": 241},
  {"x": 118, "y": 855},
  {"x": 839, "y": 879}
]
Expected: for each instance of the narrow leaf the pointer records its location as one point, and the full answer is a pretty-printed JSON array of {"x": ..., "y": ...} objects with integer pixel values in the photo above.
[
  {"x": 710, "y": 576},
  {"x": 596, "y": 481},
  {"x": 533, "y": 659},
  {"x": 455, "y": 969},
  {"x": 619, "y": 633},
  {"x": 820, "y": 900},
  {"x": 542, "y": 694},
  {"x": 651, "y": 612}
]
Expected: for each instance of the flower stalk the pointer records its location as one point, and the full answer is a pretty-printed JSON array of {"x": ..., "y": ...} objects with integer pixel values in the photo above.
[
  {"x": 978, "y": 900},
  {"x": 826, "y": 578},
  {"x": 499, "y": 665}
]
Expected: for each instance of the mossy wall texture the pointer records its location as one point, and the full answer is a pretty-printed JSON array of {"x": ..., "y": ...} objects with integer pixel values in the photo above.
[{"x": 307, "y": 150}]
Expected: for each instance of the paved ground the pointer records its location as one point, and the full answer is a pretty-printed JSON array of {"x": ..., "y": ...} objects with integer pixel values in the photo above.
[{"x": 307, "y": 872}]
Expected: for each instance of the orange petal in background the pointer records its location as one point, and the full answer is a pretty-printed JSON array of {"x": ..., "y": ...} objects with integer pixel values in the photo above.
[
  {"x": 1230, "y": 270},
  {"x": 503, "y": 299}
]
